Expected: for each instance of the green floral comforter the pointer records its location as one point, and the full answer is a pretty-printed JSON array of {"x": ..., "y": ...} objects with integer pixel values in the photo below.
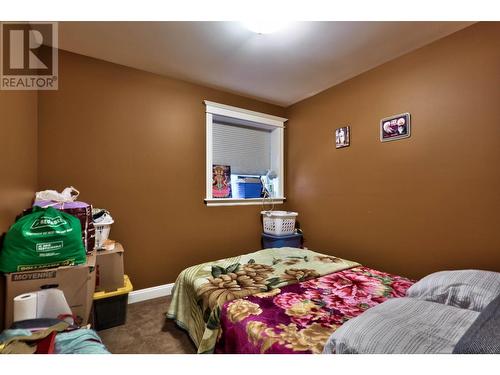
[{"x": 201, "y": 290}]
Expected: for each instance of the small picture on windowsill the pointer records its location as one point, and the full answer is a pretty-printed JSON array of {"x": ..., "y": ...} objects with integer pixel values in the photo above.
[
  {"x": 221, "y": 181},
  {"x": 342, "y": 137}
]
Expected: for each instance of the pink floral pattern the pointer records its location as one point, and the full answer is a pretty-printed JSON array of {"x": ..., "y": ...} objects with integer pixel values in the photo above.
[
  {"x": 319, "y": 305},
  {"x": 399, "y": 287},
  {"x": 287, "y": 300},
  {"x": 352, "y": 287}
]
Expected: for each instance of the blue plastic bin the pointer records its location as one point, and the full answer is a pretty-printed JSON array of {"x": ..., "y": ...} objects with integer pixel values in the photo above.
[
  {"x": 249, "y": 189},
  {"x": 290, "y": 240}
]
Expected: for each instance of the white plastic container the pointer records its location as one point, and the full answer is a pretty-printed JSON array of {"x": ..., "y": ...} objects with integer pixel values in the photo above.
[
  {"x": 279, "y": 223},
  {"x": 102, "y": 229}
]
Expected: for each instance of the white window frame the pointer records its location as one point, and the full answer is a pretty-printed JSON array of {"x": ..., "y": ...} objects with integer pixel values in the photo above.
[{"x": 269, "y": 122}]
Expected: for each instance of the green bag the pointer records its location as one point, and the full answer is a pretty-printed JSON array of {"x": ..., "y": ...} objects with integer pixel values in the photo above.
[{"x": 42, "y": 239}]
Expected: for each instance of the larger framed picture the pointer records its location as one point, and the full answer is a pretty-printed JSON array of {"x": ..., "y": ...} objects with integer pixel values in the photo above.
[{"x": 395, "y": 127}]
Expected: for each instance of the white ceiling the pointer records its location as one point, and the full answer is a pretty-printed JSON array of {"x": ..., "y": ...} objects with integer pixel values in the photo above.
[{"x": 281, "y": 68}]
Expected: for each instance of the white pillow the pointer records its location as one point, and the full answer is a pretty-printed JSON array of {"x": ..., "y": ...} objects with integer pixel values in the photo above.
[
  {"x": 402, "y": 326},
  {"x": 467, "y": 289}
]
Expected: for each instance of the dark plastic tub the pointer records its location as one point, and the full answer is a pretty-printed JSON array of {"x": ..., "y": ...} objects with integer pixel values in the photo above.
[
  {"x": 289, "y": 240},
  {"x": 110, "y": 312}
]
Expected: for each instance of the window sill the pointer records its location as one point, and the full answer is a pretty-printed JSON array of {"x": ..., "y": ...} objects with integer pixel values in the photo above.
[{"x": 212, "y": 202}]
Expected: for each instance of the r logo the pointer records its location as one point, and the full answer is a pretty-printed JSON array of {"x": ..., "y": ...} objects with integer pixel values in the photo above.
[{"x": 29, "y": 56}]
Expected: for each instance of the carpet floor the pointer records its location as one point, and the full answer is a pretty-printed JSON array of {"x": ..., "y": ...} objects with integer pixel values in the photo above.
[{"x": 148, "y": 332}]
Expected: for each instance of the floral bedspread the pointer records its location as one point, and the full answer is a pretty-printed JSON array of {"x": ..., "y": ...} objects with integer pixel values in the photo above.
[
  {"x": 300, "y": 318},
  {"x": 200, "y": 291}
]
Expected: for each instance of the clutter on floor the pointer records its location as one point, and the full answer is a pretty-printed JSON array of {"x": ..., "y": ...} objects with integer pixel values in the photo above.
[
  {"x": 53, "y": 337},
  {"x": 62, "y": 276}
]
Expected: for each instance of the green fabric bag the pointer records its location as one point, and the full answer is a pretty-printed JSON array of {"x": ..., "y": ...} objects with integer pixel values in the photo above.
[{"x": 42, "y": 239}]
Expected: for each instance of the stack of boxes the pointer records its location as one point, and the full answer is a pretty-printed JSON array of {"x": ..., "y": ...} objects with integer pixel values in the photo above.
[{"x": 102, "y": 275}]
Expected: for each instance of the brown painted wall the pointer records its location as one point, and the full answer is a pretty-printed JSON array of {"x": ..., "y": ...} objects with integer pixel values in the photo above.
[
  {"x": 411, "y": 206},
  {"x": 134, "y": 143},
  {"x": 18, "y": 153},
  {"x": 18, "y": 161}
]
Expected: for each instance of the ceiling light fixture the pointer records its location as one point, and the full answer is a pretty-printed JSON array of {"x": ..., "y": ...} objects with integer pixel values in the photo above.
[{"x": 264, "y": 26}]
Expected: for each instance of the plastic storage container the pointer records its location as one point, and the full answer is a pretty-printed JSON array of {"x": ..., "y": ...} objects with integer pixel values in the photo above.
[
  {"x": 293, "y": 240},
  {"x": 247, "y": 188},
  {"x": 110, "y": 308},
  {"x": 279, "y": 223}
]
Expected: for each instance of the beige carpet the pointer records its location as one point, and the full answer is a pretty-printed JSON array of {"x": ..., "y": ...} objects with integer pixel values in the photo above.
[{"x": 147, "y": 331}]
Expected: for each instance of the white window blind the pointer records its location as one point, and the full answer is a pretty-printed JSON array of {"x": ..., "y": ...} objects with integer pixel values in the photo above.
[{"x": 246, "y": 149}]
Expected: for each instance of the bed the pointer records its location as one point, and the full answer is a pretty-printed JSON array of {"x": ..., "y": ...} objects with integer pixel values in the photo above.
[{"x": 284, "y": 300}]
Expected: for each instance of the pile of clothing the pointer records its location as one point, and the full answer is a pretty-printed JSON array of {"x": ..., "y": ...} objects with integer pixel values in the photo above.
[{"x": 50, "y": 336}]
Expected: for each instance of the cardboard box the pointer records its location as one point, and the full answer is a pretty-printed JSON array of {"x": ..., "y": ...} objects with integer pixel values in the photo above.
[
  {"x": 109, "y": 275},
  {"x": 76, "y": 282}
]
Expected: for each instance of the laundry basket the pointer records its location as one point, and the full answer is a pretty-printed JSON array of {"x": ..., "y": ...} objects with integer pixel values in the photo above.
[
  {"x": 102, "y": 226},
  {"x": 279, "y": 223}
]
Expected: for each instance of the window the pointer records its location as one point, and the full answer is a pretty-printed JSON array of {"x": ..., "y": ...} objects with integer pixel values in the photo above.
[{"x": 249, "y": 145}]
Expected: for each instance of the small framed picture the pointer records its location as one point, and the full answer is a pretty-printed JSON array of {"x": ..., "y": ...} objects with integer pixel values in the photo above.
[
  {"x": 342, "y": 137},
  {"x": 221, "y": 181},
  {"x": 395, "y": 127}
]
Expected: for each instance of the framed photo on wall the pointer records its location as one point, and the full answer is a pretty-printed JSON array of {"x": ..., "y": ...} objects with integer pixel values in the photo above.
[
  {"x": 395, "y": 127},
  {"x": 342, "y": 137}
]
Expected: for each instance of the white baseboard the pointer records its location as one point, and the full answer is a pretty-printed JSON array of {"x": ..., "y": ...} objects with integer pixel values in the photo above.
[{"x": 150, "y": 293}]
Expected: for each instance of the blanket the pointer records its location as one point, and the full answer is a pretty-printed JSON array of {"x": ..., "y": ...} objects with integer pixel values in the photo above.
[
  {"x": 200, "y": 291},
  {"x": 299, "y": 318}
]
